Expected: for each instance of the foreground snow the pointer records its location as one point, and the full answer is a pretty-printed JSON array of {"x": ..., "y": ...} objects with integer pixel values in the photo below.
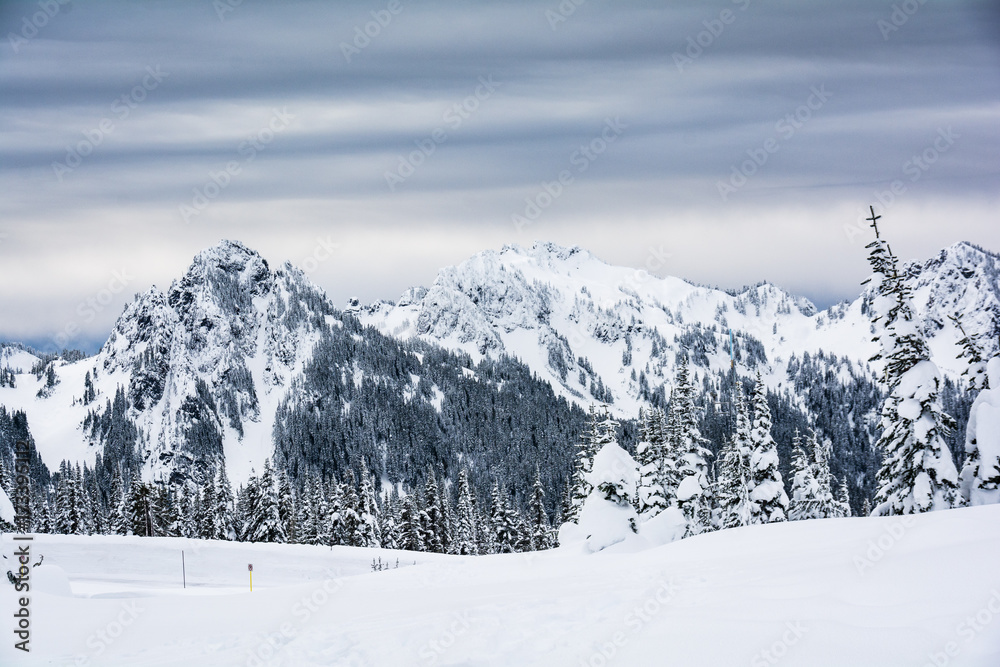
[{"x": 874, "y": 591}]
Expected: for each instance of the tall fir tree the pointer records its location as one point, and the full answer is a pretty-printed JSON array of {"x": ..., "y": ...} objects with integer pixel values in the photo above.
[
  {"x": 140, "y": 509},
  {"x": 369, "y": 531},
  {"x": 286, "y": 507},
  {"x": 339, "y": 521},
  {"x": 971, "y": 351},
  {"x": 917, "y": 473},
  {"x": 391, "y": 508},
  {"x": 117, "y": 525},
  {"x": 650, "y": 500},
  {"x": 694, "y": 490},
  {"x": 767, "y": 489},
  {"x": 69, "y": 517},
  {"x": 540, "y": 530},
  {"x": 187, "y": 522},
  {"x": 843, "y": 506},
  {"x": 504, "y": 522},
  {"x": 261, "y": 520},
  {"x": 802, "y": 503},
  {"x": 226, "y": 512},
  {"x": 733, "y": 482},
  {"x": 411, "y": 534},
  {"x": 586, "y": 448},
  {"x": 41, "y": 515},
  {"x": 436, "y": 527},
  {"x": 466, "y": 541},
  {"x": 826, "y": 505},
  {"x": 981, "y": 472},
  {"x": 206, "y": 515}
]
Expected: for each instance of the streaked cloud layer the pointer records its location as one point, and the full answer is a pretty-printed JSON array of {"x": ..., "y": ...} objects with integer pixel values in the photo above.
[{"x": 748, "y": 136}]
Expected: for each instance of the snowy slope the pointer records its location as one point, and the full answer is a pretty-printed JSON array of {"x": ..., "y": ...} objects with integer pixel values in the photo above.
[
  {"x": 552, "y": 307},
  {"x": 871, "y": 592}
]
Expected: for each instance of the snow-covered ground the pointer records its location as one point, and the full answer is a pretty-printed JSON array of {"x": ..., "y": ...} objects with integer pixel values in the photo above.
[{"x": 917, "y": 591}]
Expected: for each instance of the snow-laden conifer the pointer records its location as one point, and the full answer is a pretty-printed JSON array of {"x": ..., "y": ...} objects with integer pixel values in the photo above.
[
  {"x": 917, "y": 473},
  {"x": 981, "y": 473},
  {"x": 767, "y": 490}
]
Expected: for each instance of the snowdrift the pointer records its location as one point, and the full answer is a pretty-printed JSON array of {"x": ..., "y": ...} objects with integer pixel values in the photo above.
[{"x": 871, "y": 591}]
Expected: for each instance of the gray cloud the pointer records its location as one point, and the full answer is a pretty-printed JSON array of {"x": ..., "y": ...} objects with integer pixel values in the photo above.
[{"x": 689, "y": 124}]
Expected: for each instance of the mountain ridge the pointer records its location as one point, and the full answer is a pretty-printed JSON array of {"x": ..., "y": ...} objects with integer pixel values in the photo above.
[{"x": 209, "y": 367}]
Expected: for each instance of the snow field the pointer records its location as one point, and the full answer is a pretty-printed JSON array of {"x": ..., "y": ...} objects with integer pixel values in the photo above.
[{"x": 915, "y": 591}]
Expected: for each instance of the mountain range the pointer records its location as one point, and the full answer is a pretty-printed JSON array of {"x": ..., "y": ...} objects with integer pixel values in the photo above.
[{"x": 492, "y": 366}]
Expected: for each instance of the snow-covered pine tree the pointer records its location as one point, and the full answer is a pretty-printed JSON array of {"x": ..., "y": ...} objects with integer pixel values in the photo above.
[
  {"x": 369, "y": 531},
  {"x": 337, "y": 522},
  {"x": 410, "y": 530},
  {"x": 94, "y": 518},
  {"x": 351, "y": 516},
  {"x": 286, "y": 507},
  {"x": 466, "y": 542},
  {"x": 262, "y": 522},
  {"x": 826, "y": 505},
  {"x": 118, "y": 522},
  {"x": 247, "y": 500},
  {"x": 436, "y": 528},
  {"x": 586, "y": 447},
  {"x": 164, "y": 510},
  {"x": 303, "y": 512},
  {"x": 650, "y": 499},
  {"x": 225, "y": 513},
  {"x": 449, "y": 516},
  {"x": 41, "y": 516},
  {"x": 767, "y": 490},
  {"x": 917, "y": 473},
  {"x": 733, "y": 491},
  {"x": 802, "y": 503},
  {"x": 503, "y": 521},
  {"x": 981, "y": 472},
  {"x": 975, "y": 369},
  {"x": 523, "y": 532},
  {"x": 540, "y": 529},
  {"x": 843, "y": 501},
  {"x": 206, "y": 515},
  {"x": 314, "y": 512},
  {"x": 664, "y": 435},
  {"x": 694, "y": 491},
  {"x": 69, "y": 518},
  {"x": 390, "y": 520},
  {"x": 140, "y": 509},
  {"x": 186, "y": 524}
]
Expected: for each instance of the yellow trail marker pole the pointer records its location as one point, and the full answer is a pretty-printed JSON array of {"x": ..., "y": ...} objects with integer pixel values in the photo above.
[{"x": 250, "y": 567}]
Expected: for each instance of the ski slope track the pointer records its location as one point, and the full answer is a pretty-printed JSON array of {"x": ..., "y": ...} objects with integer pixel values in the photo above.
[{"x": 879, "y": 592}]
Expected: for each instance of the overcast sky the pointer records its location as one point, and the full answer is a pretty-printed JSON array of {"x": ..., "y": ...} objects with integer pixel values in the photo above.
[{"x": 742, "y": 139}]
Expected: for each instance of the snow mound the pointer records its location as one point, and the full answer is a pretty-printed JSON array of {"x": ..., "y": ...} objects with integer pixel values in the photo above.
[
  {"x": 666, "y": 527},
  {"x": 604, "y": 524}
]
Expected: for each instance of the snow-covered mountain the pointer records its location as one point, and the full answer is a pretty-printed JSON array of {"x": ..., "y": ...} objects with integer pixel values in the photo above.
[
  {"x": 203, "y": 366},
  {"x": 599, "y": 331},
  {"x": 236, "y": 363},
  {"x": 223, "y": 362}
]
